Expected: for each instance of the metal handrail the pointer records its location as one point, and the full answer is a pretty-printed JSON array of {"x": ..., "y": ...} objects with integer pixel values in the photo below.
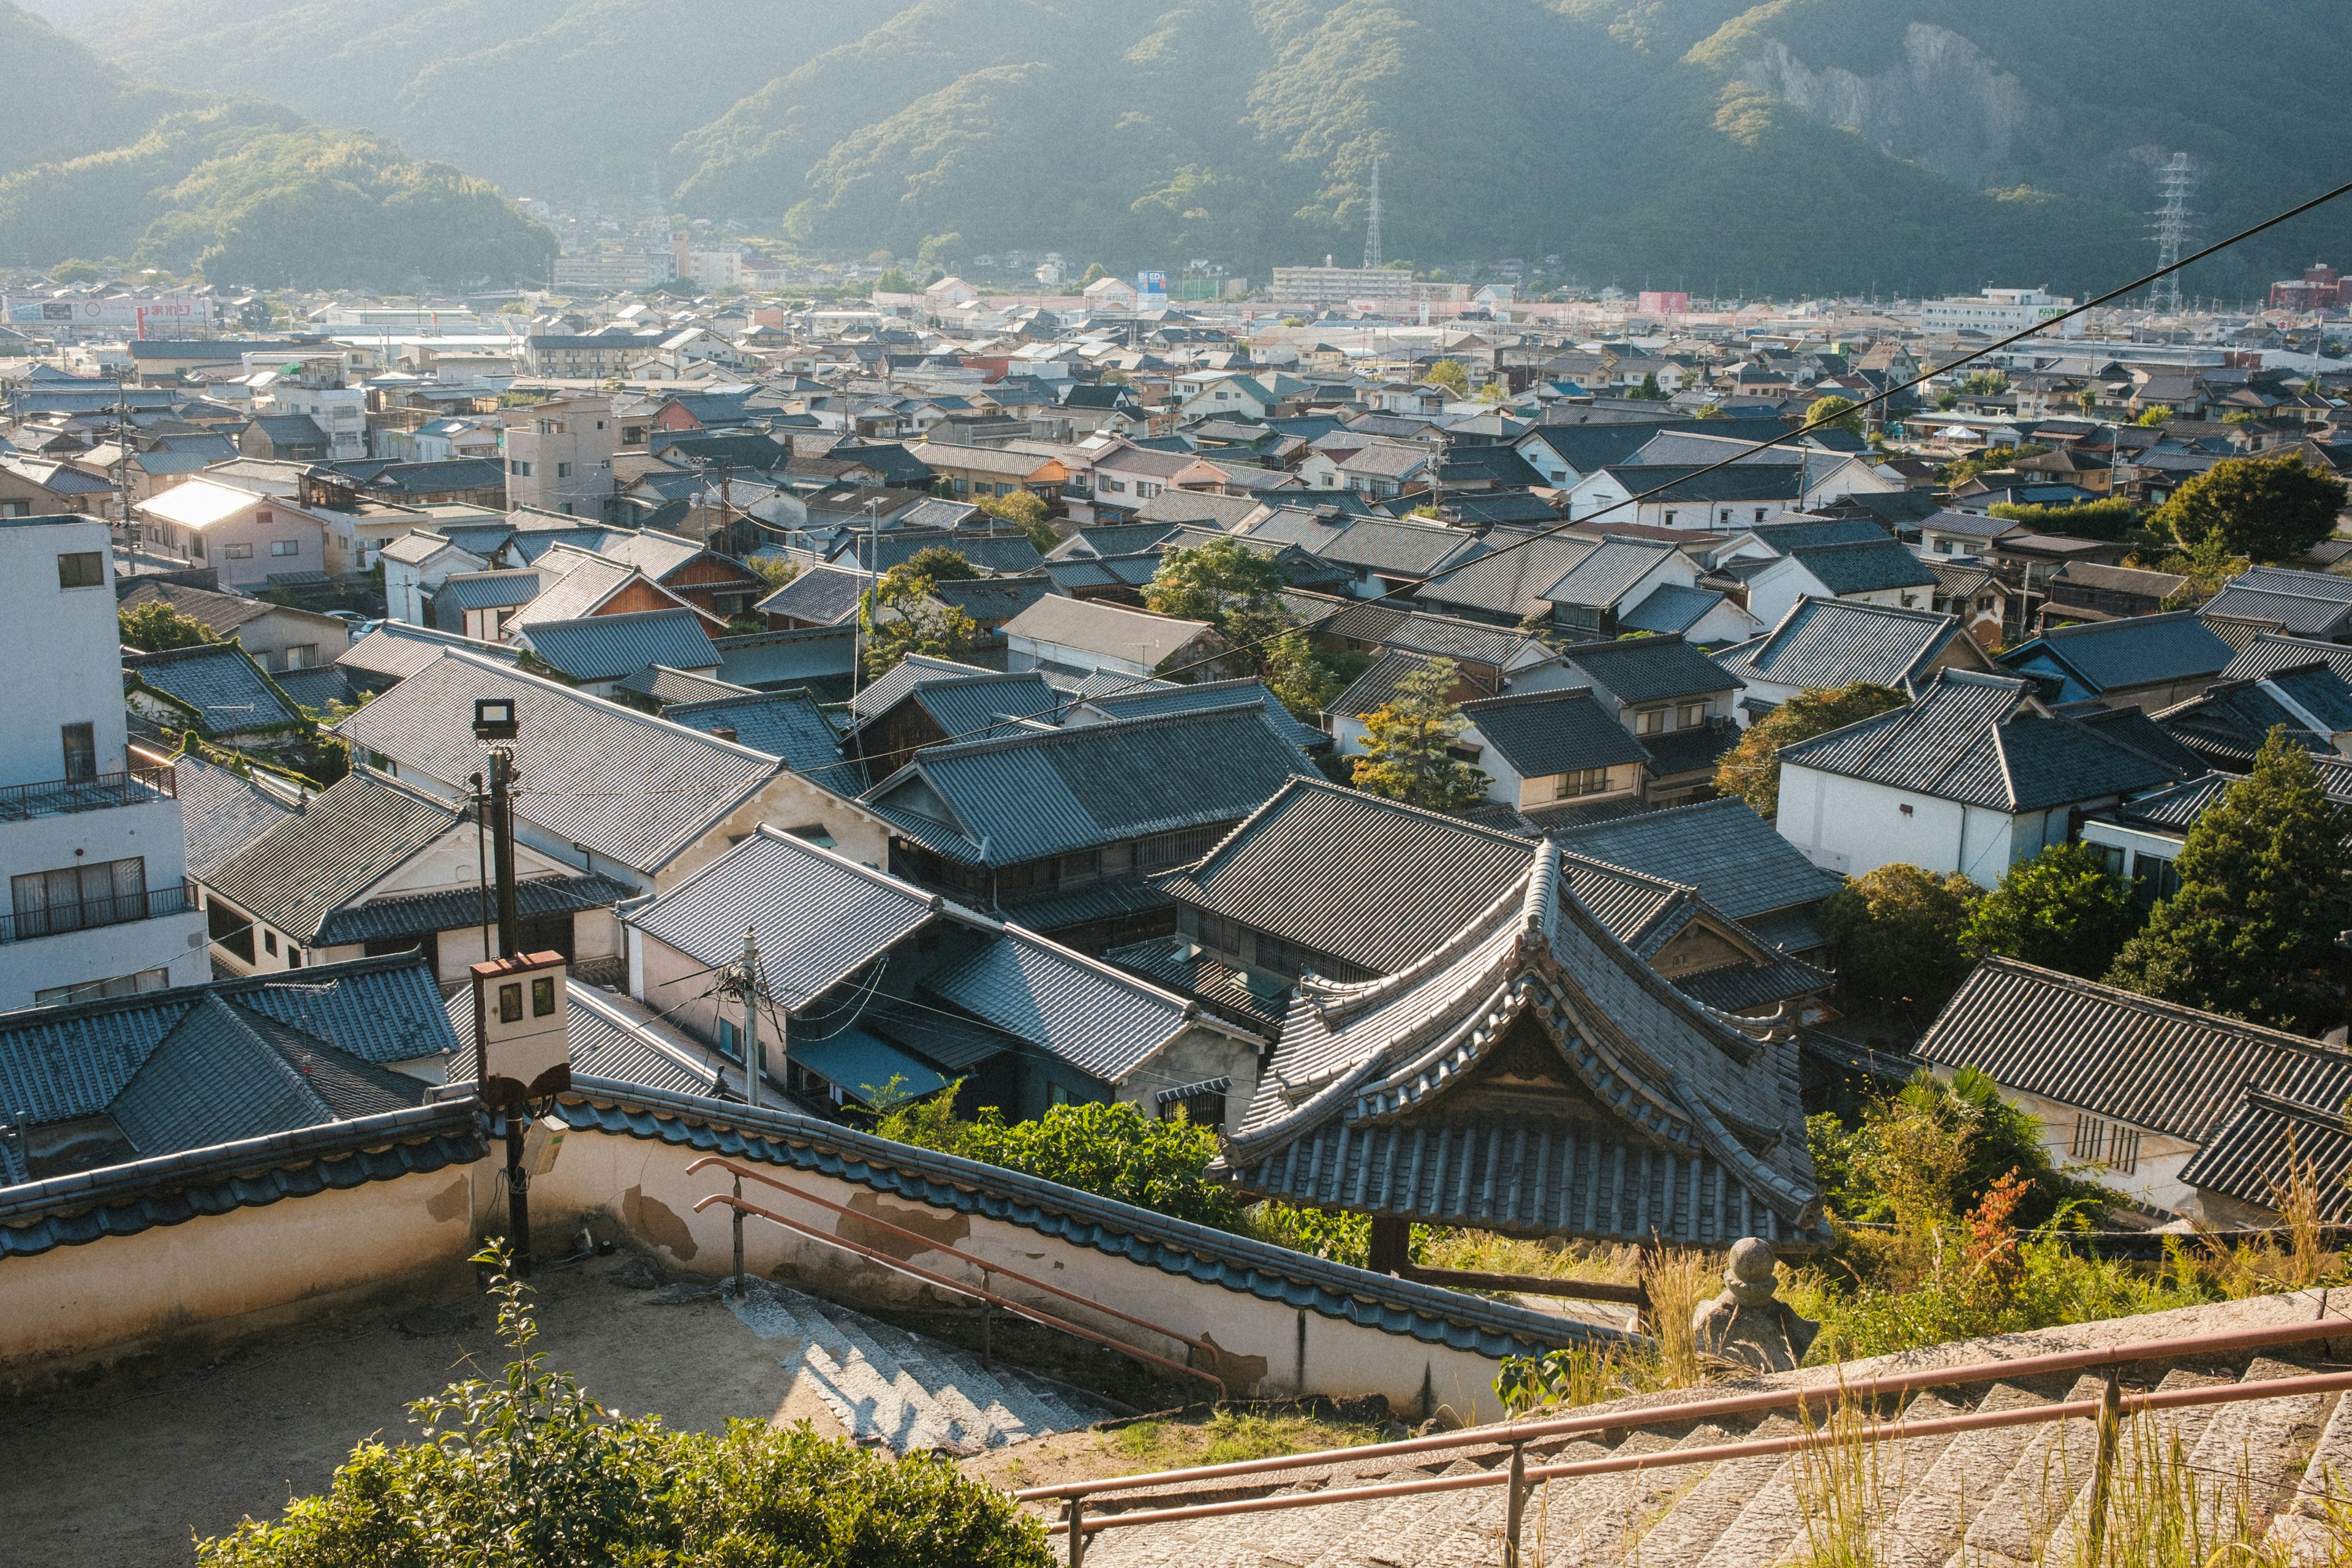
[
  {"x": 1522, "y": 1475},
  {"x": 1504, "y": 1434},
  {"x": 977, "y": 1292},
  {"x": 100, "y": 792},
  {"x": 90, "y": 914}
]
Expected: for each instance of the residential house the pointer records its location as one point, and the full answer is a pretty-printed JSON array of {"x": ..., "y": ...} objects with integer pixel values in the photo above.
[
  {"x": 2130, "y": 1086},
  {"x": 603, "y": 788},
  {"x": 286, "y": 439},
  {"x": 2145, "y": 661},
  {"x": 1076, "y": 636},
  {"x": 1379, "y": 556},
  {"x": 1831, "y": 643},
  {"x": 2299, "y": 603},
  {"x": 1686, "y": 497},
  {"x": 916, "y": 705},
  {"x": 2092, "y": 591},
  {"x": 280, "y": 638},
  {"x": 1981, "y": 602},
  {"x": 1060, "y": 828},
  {"x": 2228, "y": 722},
  {"x": 93, "y": 842},
  {"x": 877, "y": 985},
  {"x": 559, "y": 454},
  {"x": 1733, "y": 857},
  {"x": 34, "y": 487},
  {"x": 1966, "y": 534},
  {"x": 243, "y": 537},
  {"x": 1580, "y": 585},
  {"x": 970, "y": 472},
  {"x": 1679, "y": 703},
  {"x": 416, "y": 566},
  {"x": 215, "y": 688},
  {"x": 1972, "y": 776},
  {"x": 598, "y": 652},
  {"x": 1878, "y": 571},
  {"x": 1555, "y": 756},
  {"x": 373, "y": 867},
  {"x": 393, "y": 651}
]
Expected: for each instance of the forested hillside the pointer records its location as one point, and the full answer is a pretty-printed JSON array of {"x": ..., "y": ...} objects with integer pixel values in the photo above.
[
  {"x": 1908, "y": 145},
  {"x": 95, "y": 163}
]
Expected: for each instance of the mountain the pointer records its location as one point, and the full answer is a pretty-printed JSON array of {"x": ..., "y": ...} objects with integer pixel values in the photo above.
[
  {"x": 95, "y": 163},
  {"x": 1713, "y": 144}
]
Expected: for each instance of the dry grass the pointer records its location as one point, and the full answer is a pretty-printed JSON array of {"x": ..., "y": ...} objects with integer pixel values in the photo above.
[
  {"x": 1483, "y": 1251},
  {"x": 1840, "y": 1483},
  {"x": 1678, "y": 1279},
  {"x": 1226, "y": 1436}
]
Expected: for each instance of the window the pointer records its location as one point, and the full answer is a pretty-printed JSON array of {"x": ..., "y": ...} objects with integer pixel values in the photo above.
[
  {"x": 82, "y": 569},
  {"x": 542, "y": 997},
  {"x": 2153, "y": 877},
  {"x": 518, "y": 467},
  {"x": 1204, "y": 1108},
  {"x": 1670, "y": 517},
  {"x": 236, "y": 552},
  {"x": 1727, "y": 515},
  {"x": 1761, "y": 512},
  {"x": 1652, "y": 722},
  {"x": 301, "y": 656},
  {"x": 2111, "y": 858},
  {"x": 731, "y": 1039},
  {"x": 1056, "y": 1095},
  {"x": 264, "y": 517},
  {"x": 1690, "y": 715},
  {"x": 269, "y": 946},
  {"x": 74, "y": 897},
  {"x": 1582, "y": 782},
  {"x": 510, "y": 1003},
  {"x": 563, "y": 470},
  {"x": 285, "y": 547},
  {"x": 99, "y": 990},
  {"x": 16, "y": 509},
  {"x": 1943, "y": 546},
  {"x": 82, "y": 751},
  {"x": 2098, "y": 1141}
]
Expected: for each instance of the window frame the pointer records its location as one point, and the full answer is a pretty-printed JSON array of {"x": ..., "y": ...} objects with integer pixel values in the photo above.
[{"x": 73, "y": 563}]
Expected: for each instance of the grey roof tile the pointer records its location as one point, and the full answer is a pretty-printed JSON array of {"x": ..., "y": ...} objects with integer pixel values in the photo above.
[
  {"x": 787, "y": 724},
  {"x": 221, "y": 812},
  {"x": 344, "y": 842},
  {"x": 2135, "y": 651},
  {"x": 1832, "y": 643},
  {"x": 1647, "y": 670},
  {"x": 1540, "y": 733},
  {"x": 2249, "y": 1156},
  {"x": 1670, "y": 608},
  {"x": 1169, "y": 697},
  {"x": 2270, "y": 652},
  {"x": 218, "y": 679},
  {"x": 607, "y": 648},
  {"x": 1736, "y": 858}
]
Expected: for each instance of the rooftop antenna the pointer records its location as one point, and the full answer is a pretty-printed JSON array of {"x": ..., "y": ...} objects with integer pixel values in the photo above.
[
  {"x": 1372, "y": 225},
  {"x": 2177, "y": 180}
]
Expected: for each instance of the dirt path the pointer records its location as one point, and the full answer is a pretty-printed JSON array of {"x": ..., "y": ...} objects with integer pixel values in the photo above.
[{"x": 118, "y": 1474}]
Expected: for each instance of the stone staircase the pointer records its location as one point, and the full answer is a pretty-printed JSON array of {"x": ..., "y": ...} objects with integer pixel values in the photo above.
[
  {"x": 2001, "y": 1498},
  {"x": 903, "y": 1392}
]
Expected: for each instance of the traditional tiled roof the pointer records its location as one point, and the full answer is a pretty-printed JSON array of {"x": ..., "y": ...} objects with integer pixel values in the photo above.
[
  {"x": 221, "y": 813},
  {"x": 606, "y": 648},
  {"x": 396, "y": 651},
  {"x": 1648, "y": 669},
  {"x": 2153, "y": 1065},
  {"x": 1370, "y": 1102},
  {"x": 629, "y": 788},
  {"x": 1543, "y": 732},
  {"x": 2271, "y": 652},
  {"x": 1722, "y": 847},
  {"x": 501, "y": 589},
  {"x": 2303, "y": 603},
  {"x": 219, "y": 680},
  {"x": 1670, "y": 609},
  {"x": 787, "y": 724},
  {"x": 1323, "y": 865},
  {"x": 1833, "y": 643},
  {"x": 2250, "y": 1157},
  {"x": 1002, "y": 802},
  {"x": 2138, "y": 650},
  {"x": 1980, "y": 739},
  {"x": 1875, "y": 566},
  {"x": 2231, "y": 719},
  {"x": 669, "y": 688},
  {"x": 887, "y": 689},
  {"x": 58, "y": 1064},
  {"x": 343, "y": 843},
  {"x": 1101, "y": 1020},
  {"x": 415, "y": 915},
  {"x": 573, "y": 583},
  {"x": 1133, "y": 636},
  {"x": 1171, "y": 696}
]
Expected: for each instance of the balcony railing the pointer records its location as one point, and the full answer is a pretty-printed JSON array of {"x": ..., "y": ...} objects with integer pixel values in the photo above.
[
  {"x": 56, "y": 797},
  {"x": 121, "y": 909}
]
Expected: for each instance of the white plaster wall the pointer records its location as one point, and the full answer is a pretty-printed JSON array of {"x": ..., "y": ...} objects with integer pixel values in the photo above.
[
  {"x": 1852, "y": 827},
  {"x": 68, "y": 640}
]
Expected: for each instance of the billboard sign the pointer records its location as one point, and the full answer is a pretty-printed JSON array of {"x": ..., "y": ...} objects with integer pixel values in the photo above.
[
  {"x": 1658, "y": 303},
  {"x": 167, "y": 315},
  {"x": 1151, "y": 288}
]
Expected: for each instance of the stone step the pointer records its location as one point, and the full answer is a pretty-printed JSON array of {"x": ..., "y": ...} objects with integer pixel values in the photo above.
[
  {"x": 2305, "y": 1527},
  {"x": 1775, "y": 1529},
  {"x": 2154, "y": 1431},
  {"x": 1707, "y": 1509},
  {"x": 2010, "y": 1528},
  {"x": 1941, "y": 1503},
  {"x": 2251, "y": 1453}
]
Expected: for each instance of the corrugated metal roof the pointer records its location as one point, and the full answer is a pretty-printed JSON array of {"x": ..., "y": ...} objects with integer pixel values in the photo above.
[
  {"x": 347, "y": 840},
  {"x": 632, "y": 788},
  {"x": 2154, "y": 1065},
  {"x": 1540, "y": 733},
  {"x": 1372, "y": 881},
  {"x": 606, "y": 648},
  {"x": 1057, "y": 792},
  {"x": 59, "y": 1063},
  {"x": 1833, "y": 643}
]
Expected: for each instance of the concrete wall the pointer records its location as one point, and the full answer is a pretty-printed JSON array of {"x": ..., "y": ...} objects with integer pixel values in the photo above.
[
  {"x": 152, "y": 832},
  {"x": 224, "y": 1276},
  {"x": 66, "y": 635},
  {"x": 1852, "y": 827},
  {"x": 1268, "y": 1349}
]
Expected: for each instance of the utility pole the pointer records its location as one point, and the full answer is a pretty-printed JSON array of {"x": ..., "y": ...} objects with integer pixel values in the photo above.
[
  {"x": 1372, "y": 223},
  {"x": 751, "y": 1064},
  {"x": 494, "y": 720}
]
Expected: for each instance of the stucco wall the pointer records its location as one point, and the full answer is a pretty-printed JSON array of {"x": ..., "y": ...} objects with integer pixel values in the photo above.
[{"x": 223, "y": 1276}]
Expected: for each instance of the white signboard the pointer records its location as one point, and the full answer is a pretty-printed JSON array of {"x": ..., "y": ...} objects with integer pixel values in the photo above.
[{"x": 168, "y": 315}]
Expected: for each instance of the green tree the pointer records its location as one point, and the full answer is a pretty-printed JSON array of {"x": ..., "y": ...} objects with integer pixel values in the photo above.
[
  {"x": 1027, "y": 511},
  {"x": 2087, "y": 400},
  {"x": 526, "y": 1469},
  {"x": 1451, "y": 374},
  {"x": 1095, "y": 273},
  {"x": 1210, "y": 582},
  {"x": 941, "y": 564},
  {"x": 76, "y": 271},
  {"x": 1985, "y": 383},
  {"x": 1835, "y": 413},
  {"x": 2263, "y": 879},
  {"x": 2060, "y": 910},
  {"x": 156, "y": 625},
  {"x": 774, "y": 570},
  {"x": 900, "y": 617},
  {"x": 1895, "y": 934},
  {"x": 2160, "y": 414},
  {"x": 894, "y": 281},
  {"x": 1649, "y": 391},
  {"x": 2270, "y": 509},
  {"x": 1966, "y": 469},
  {"x": 1709, "y": 411},
  {"x": 2110, "y": 518},
  {"x": 1299, "y": 677},
  {"x": 1406, "y": 743},
  {"x": 2208, "y": 565},
  {"x": 1115, "y": 1150},
  {"x": 1751, "y": 769}
]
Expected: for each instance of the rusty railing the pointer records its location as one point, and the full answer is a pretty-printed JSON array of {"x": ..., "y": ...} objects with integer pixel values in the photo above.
[
  {"x": 1520, "y": 1476},
  {"x": 978, "y": 1292}
]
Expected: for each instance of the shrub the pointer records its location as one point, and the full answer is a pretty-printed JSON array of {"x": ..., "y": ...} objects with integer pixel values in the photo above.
[
  {"x": 1895, "y": 933},
  {"x": 526, "y": 1469},
  {"x": 2060, "y": 910},
  {"x": 156, "y": 625},
  {"x": 1751, "y": 769},
  {"x": 1115, "y": 1150}
]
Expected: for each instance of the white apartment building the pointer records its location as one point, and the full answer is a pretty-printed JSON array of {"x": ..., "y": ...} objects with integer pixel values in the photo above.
[
  {"x": 90, "y": 843},
  {"x": 1998, "y": 312},
  {"x": 560, "y": 455}
]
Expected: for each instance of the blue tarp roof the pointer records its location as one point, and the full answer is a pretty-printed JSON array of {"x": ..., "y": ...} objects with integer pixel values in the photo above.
[{"x": 862, "y": 1065}]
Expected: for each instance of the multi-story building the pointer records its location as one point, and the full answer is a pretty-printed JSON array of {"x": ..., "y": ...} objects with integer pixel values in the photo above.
[
  {"x": 559, "y": 454},
  {"x": 1997, "y": 312},
  {"x": 90, "y": 842}
]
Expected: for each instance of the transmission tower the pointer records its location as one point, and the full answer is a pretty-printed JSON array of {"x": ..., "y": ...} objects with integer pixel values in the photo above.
[
  {"x": 2177, "y": 180},
  {"x": 1372, "y": 225}
]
